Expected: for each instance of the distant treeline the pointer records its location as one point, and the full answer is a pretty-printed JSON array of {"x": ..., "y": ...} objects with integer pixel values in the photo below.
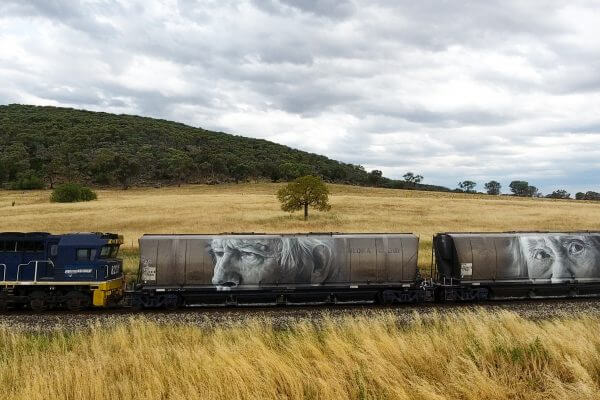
[
  {"x": 524, "y": 189},
  {"x": 40, "y": 146}
]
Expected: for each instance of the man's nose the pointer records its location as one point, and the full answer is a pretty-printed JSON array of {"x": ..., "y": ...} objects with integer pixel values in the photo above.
[
  {"x": 226, "y": 273},
  {"x": 561, "y": 269}
]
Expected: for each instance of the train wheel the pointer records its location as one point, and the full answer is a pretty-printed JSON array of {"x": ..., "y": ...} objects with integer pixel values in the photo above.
[
  {"x": 172, "y": 303},
  {"x": 76, "y": 301},
  {"x": 38, "y": 301},
  {"x": 3, "y": 304}
]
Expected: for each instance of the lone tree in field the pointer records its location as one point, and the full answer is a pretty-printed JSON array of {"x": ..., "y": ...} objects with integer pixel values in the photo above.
[{"x": 303, "y": 192}]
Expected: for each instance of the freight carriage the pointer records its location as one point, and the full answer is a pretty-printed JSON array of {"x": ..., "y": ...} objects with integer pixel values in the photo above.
[
  {"x": 277, "y": 269},
  {"x": 479, "y": 266},
  {"x": 75, "y": 270}
]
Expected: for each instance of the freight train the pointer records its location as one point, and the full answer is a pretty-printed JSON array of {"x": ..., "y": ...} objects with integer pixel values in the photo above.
[{"x": 74, "y": 271}]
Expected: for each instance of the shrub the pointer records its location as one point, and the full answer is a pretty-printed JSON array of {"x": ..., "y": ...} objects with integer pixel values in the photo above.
[
  {"x": 28, "y": 182},
  {"x": 72, "y": 192}
]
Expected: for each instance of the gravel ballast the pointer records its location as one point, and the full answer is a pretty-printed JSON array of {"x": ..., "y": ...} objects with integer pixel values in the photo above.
[{"x": 282, "y": 317}]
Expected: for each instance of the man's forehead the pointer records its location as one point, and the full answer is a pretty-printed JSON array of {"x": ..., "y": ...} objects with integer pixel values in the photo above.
[
  {"x": 553, "y": 239},
  {"x": 235, "y": 243}
]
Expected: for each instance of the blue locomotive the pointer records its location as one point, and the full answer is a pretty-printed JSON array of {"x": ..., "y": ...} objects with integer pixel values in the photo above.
[{"x": 73, "y": 270}]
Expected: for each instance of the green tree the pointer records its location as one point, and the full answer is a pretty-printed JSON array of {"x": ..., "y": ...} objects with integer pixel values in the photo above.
[
  {"x": 519, "y": 188},
  {"x": 559, "y": 194},
  {"x": 206, "y": 171},
  {"x": 178, "y": 165},
  {"x": 532, "y": 191},
  {"x": 304, "y": 192},
  {"x": 13, "y": 159},
  {"x": 127, "y": 168},
  {"x": 103, "y": 165},
  {"x": 412, "y": 179},
  {"x": 467, "y": 186},
  {"x": 27, "y": 180},
  {"x": 375, "y": 177},
  {"x": 590, "y": 195},
  {"x": 240, "y": 172},
  {"x": 493, "y": 187},
  {"x": 292, "y": 170}
]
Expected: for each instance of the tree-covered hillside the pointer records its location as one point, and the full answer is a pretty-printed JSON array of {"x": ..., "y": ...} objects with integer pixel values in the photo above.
[{"x": 50, "y": 144}]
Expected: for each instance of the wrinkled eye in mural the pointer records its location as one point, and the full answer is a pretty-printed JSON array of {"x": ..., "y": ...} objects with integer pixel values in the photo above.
[
  {"x": 270, "y": 260},
  {"x": 561, "y": 256}
]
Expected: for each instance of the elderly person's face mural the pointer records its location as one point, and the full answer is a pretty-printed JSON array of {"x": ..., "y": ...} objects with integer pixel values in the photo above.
[
  {"x": 561, "y": 256},
  {"x": 270, "y": 260}
]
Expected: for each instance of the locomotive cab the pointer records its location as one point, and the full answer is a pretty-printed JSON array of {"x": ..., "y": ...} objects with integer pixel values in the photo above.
[{"x": 76, "y": 270}]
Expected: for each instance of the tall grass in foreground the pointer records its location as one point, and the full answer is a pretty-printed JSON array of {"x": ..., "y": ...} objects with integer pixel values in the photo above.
[{"x": 466, "y": 356}]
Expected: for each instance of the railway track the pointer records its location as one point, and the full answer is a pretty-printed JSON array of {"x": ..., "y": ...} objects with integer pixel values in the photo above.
[{"x": 282, "y": 317}]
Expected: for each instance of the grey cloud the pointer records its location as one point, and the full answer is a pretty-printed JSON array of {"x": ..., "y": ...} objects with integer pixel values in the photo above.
[
  {"x": 329, "y": 8},
  {"x": 422, "y": 115},
  {"x": 73, "y": 13},
  {"x": 334, "y": 9}
]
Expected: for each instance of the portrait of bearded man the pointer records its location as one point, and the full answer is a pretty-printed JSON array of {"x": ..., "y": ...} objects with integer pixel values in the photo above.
[{"x": 260, "y": 261}]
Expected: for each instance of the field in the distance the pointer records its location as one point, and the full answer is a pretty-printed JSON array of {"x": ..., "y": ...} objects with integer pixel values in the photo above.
[{"x": 254, "y": 208}]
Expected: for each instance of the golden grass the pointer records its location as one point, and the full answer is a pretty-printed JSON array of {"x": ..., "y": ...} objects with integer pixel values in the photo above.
[
  {"x": 254, "y": 208},
  {"x": 464, "y": 356}
]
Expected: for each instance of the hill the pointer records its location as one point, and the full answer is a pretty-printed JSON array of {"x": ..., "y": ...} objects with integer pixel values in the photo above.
[{"x": 44, "y": 145}]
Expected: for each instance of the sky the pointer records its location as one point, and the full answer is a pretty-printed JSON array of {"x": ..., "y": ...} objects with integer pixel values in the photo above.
[{"x": 451, "y": 90}]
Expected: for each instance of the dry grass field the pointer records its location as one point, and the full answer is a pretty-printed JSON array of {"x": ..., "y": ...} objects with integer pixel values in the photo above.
[
  {"x": 254, "y": 208},
  {"x": 463, "y": 356}
]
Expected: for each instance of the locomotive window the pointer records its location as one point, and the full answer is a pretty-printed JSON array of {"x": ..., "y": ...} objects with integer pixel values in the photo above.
[
  {"x": 30, "y": 246},
  {"x": 105, "y": 252},
  {"x": 8, "y": 245},
  {"x": 54, "y": 250},
  {"x": 92, "y": 254},
  {"x": 83, "y": 254},
  {"x": 109, "y": 251}
]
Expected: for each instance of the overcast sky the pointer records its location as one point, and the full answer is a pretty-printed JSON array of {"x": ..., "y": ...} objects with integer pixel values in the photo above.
[{"x": 452, "y": 90}]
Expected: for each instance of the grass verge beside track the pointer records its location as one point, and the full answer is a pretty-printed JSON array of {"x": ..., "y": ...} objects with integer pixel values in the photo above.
[{"x": 470, "y": 355}]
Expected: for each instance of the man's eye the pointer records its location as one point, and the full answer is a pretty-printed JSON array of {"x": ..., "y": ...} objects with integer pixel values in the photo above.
[
  {"x": 541, "y": 255},
  {"x": 218, "y": 253},
  {"x": 249, "y": 256},
  {"x": 575, "y": 248}
]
